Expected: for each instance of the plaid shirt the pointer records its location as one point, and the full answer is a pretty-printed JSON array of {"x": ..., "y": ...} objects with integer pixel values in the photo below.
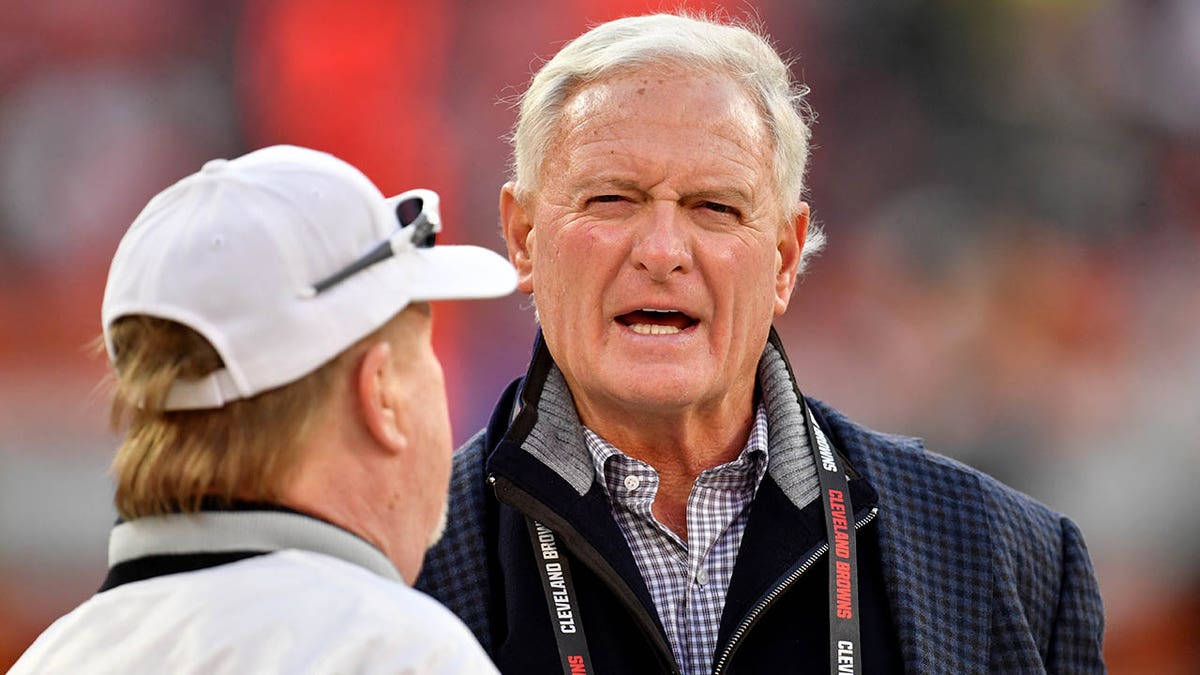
[{"x": 687, "y": 580}]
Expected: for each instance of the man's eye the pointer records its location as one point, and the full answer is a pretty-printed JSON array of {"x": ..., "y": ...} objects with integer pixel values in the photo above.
[
  {"x": 606, "y": 198},
  {"x": 721, "y": 208}
]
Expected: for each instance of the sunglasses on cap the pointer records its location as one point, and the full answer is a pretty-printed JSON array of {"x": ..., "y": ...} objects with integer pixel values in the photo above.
[{"x": 420, "y": 221}]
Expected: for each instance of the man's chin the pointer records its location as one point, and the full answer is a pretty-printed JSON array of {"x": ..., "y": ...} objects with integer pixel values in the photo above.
[{"x": 440, "y": 528}]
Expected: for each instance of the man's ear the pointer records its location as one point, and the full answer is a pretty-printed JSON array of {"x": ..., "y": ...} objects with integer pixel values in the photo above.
[
  {"x": 517, "y": 223},
  {"x": 384, "y": 421},
  {"x": 787, "y": 257}
]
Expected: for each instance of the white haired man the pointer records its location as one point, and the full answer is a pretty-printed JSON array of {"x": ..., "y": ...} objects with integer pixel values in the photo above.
[
  {"x": 288, "y": 451},
  {"x": 655, "y": 495}
]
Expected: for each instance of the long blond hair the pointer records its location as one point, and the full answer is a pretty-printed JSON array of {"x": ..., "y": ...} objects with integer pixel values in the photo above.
[{"x": 169, "y": 461}]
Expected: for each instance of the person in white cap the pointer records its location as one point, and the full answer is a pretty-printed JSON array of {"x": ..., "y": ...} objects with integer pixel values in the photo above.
[{"x": 288, "y": 449}]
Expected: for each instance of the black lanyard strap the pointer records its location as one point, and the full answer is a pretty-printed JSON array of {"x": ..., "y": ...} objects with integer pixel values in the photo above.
[
  {"x": 844, "y": 634},
  {"x": 561, "y": 600}
]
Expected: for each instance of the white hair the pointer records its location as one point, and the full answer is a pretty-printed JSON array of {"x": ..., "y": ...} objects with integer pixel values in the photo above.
[{"x": 694, "y": 43}]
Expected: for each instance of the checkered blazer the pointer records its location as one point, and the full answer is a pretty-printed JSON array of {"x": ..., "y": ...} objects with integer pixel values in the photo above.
[{"x": 980, "y": 578}]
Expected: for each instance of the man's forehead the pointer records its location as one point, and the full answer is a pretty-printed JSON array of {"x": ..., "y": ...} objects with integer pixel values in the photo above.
[
  {"x": 608, "y": 91},
  {"x": 651, "y": 95}
]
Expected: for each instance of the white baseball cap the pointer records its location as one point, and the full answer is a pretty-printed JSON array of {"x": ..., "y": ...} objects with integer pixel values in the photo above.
[{"x": 282, "y": 259}]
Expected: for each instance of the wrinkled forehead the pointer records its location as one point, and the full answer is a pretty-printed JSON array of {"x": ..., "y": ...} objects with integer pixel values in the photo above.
[
  {"x": 612, "y": 93},
  {"x": 647, "y": 114}
]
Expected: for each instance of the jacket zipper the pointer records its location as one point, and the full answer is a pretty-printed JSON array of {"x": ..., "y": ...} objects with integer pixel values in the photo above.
[
  {"x": 508, "y": 493},
  {"x": 779, "y": 589}
]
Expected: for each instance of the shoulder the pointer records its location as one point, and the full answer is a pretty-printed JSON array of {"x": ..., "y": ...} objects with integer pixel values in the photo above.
[
  {"x": 385, "y": 626},
  {"x": 289, "y": 611},
  {"x": 904, "y": 469},
  {"x": 366, "y": 623}
]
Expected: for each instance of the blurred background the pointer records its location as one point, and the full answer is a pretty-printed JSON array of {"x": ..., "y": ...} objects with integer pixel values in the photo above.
[{"x": 1011, "y": 191}]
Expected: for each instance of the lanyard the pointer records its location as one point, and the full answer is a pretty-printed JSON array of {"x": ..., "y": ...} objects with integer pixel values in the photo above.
[
  {"x": 561, "y": 599},
  {"x": 844, "y": 637}
]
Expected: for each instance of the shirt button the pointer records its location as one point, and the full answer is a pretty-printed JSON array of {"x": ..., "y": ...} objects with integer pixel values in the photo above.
[
  {"x": 701, "y": 576},
  {"x": 632, "y": 482}
]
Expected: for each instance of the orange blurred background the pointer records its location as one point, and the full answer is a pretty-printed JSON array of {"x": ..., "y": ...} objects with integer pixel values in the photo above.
[{"x": 1011, "y": 192}]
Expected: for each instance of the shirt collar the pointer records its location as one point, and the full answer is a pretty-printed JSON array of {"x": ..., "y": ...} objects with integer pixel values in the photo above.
[
  {"x": 242, "y": 530},
  {"x": 752, "y": 461}
]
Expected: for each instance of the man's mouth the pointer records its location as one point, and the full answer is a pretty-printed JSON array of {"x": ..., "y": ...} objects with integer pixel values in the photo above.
[{"x": 657, "y": 321}]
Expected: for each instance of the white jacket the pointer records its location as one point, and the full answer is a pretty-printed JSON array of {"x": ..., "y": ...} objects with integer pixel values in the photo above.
[{"x": 290, "y": 609}]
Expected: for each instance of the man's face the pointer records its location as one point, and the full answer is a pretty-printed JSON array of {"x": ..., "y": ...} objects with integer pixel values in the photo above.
[
  {"x": 421, "y": 393},
  {"x": 656, "y": 247}
]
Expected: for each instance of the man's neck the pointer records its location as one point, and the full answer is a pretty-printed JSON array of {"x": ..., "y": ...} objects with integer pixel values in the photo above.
[
  {"x": 356, "y": 492},
  {"x": 680, "y": 449}
]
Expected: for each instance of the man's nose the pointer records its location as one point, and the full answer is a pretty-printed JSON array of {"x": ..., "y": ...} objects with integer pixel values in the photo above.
[{"x": 661, "y": 244}]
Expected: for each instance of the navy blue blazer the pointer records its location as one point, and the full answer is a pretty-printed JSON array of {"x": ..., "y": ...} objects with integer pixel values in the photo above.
[{"x": 979, "y": 577}]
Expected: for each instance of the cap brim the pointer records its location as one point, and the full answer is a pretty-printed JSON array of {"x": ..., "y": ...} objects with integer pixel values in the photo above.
[{"x": 458, "y": 273}]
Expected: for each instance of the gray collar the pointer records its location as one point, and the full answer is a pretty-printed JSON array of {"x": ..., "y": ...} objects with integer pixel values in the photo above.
[
  {"x": 556, "y": 439},
  {"x": 227, "y": 531}
]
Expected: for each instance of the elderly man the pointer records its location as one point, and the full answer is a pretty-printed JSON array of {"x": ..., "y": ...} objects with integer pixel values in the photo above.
[
  {"x": 288, "y": 451},
  {"x": 655, "y": 495}
]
